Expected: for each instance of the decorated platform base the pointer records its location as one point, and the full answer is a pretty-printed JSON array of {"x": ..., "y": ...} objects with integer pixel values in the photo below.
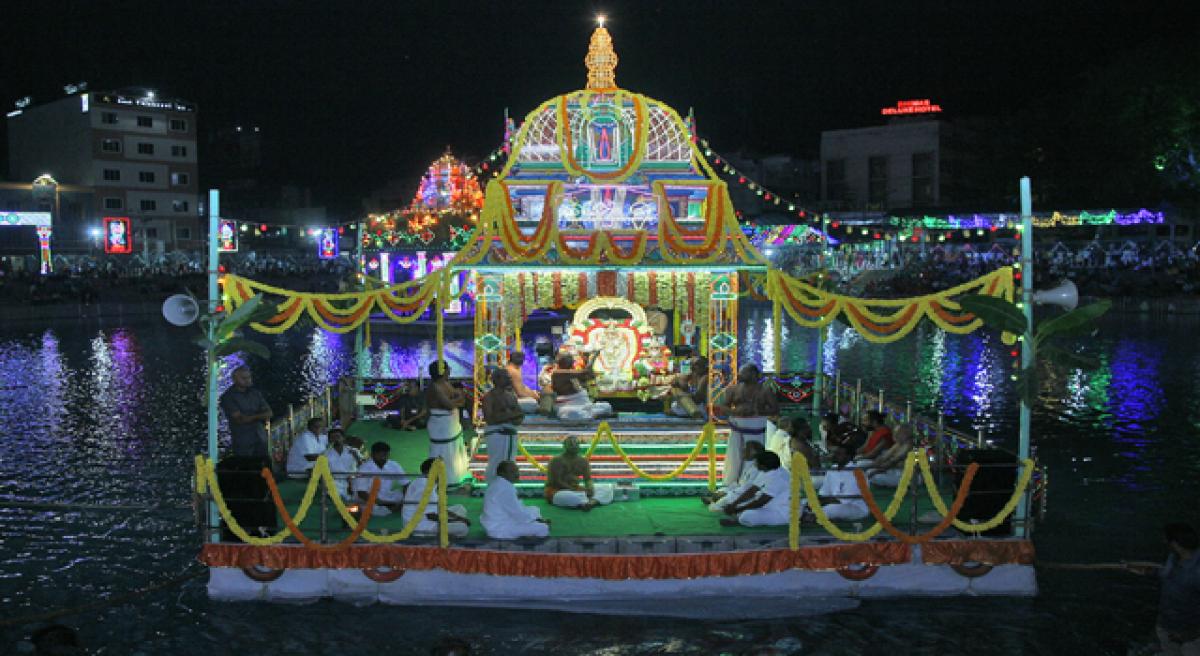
[{"x": 498, "y": 574}]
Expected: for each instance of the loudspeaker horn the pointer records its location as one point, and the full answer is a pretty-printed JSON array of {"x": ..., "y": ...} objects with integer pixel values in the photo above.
[
  {"x": 1065, "y": 296},
  {"x": 180, "y": 310}
]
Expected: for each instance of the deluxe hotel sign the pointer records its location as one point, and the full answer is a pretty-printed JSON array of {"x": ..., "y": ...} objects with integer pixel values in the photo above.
[{"x": 922, "y": 106}]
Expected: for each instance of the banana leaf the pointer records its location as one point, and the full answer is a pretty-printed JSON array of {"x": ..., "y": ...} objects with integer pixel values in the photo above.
[
  {"x": 239, "y": 344},
  {"x": 995, "y": 312},
  {"x": 1077, "y": 321}
]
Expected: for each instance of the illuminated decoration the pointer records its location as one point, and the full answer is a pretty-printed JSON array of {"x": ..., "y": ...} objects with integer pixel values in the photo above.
[
  {"x": 327, "y": 243},
  {"x": 45, "y": 179},
  {"x": 43, "y": 235},
  {"x": 601, "y": 60},
  {"x": 1013, "y": 221},
  {"x": 922, "y": 106},
  {"x": 118, "y": 235},
  {"x": 227, "y": 236},
  {"x": 787, "y": 235},
  {"x": 767, "y": 195},
  {"x": 442, "y": 213}
]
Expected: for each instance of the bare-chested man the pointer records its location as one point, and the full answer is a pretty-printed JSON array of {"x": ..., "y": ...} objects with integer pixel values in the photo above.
[
  {"x": 445, "y": 428},
  {"x": 563, "y": 487},
  {"x": 750, "y": 405},
  {"x": 571, "y": 397},
  {"x": 502, "y": 414}
]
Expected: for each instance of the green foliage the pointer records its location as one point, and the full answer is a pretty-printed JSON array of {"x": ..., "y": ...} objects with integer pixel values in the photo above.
[
  {"x": 1076, "y": 322},
  {"x": 219, "y": 333},
  {"x": 996, "y": 313}
]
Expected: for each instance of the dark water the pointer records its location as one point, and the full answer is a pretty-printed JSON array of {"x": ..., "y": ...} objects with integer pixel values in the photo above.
[{"x": 108, "y": 413}]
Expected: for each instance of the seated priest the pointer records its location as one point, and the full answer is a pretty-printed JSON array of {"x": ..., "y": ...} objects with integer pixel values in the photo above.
[
  {"x": 527, "y": 398},
  {"x": 456, "y": 516},
  {"x": 689, "y": 392},
  {"x": 571, "y": 398},
  {"x": 885, "y": 471},
  {"x": 504, "y": 516},
  {"x": 563, "y": 487},
  {"x": 768, "y": 501}
]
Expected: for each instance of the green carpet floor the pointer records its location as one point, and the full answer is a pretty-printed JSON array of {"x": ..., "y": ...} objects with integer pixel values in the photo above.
[{"x": 671, "y": 516}]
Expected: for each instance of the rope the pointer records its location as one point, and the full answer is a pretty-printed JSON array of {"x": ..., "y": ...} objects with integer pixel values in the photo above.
[{"x": 103, "y": 603}]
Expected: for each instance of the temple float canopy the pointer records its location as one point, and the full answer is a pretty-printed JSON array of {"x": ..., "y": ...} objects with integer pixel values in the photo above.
[{"x": 605, "y": 195}]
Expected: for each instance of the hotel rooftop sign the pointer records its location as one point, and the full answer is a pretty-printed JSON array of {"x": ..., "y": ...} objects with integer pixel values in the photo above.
[{"x": 922, "y": 106}]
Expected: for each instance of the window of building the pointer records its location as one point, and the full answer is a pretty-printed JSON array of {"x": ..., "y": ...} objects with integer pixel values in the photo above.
[
  {"x": 183, "y": 233},
  {"x": 835, "y": 179},
  {"x": 877, "y": 181},
  {"x": 151, "y": 233},
  {"x": 178, "y": 151},
  {"x": 110, "y": 145},
  {"x": 145, "y": 122},
  {"x": 149, "y": 205},
  {"x": 146, "y": 176},
  {"x": 109, "y": 118},
  {"x": 179, "y": 205},
  {"x": 112, "y": 203},
  {"x": 179, "y": 125},
  {"x": 145, "y": 149},
  {"x": 922, "y": 179},
  {"x": 179, "y": 178},
  {"x": 112, "y": 175}
]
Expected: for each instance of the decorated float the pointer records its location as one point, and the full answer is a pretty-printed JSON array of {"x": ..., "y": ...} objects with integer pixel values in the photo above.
[{"x": 606, "y": 209}]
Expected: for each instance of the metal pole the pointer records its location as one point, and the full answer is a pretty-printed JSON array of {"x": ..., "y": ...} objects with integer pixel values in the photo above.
[
  {"x": 1027, "y": 353},
  {"x": 858, "y": 402},
  {"x": 818, "y": 383},
  {"x": 941, "y": 447},
  {"x": 214, "y": 213},
  {"x": 880, "y": 400},
  {"x": 908, "y": 411},
  {"x": 837, "y": 391},
  {"x": 979, "y": 439},
  {"x": 359, "y": 365}
]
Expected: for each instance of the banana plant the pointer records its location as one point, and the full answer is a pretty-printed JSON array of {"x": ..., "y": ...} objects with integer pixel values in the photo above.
[
  {"x": 1006, "y": 317},
  {"x": 220, "y": 333}
]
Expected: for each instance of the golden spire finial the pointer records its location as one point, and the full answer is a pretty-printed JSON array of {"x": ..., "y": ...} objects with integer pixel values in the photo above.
[{"x": 601, "y": 59}]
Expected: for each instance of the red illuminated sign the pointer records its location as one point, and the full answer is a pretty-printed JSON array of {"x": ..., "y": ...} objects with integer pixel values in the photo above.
[
  {"x": 118, "y": 238},
  {"x": 922, "y": 106}
]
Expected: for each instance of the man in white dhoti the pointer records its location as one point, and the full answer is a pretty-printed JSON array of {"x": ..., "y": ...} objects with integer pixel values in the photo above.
[
  {"x": 750, "y": 405},
  {"x": 750, "y": 473},
  {"x": 527, "y": 398},
  {"x": 343, "y": 462},
  {"x": 445, "y": 428},
  {"x": 563, "y": 486},
  {"x": 502, "y": 415},
  {"x": 768, "y": 501},
  {"x": 306, "y": 448},
  {"x": 885, "y": 471},
  {"x": 457, "y": 524},
  {"x": 391, "y": 481},
  {"x": 570, "y": 397},
  {"x": 839, "y": 495},
  {"x": 504, "y": 516}
]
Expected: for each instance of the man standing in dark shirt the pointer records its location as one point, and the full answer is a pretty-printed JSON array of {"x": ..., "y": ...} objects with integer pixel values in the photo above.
[
  {"x": 247, "y": 412},
  {"x": 1179, "y": 605}
]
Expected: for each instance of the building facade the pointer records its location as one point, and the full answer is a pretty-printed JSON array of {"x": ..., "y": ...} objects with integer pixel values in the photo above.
[
  {"x": 899, "y": 165},
  {"x": 137, "y": 152}
]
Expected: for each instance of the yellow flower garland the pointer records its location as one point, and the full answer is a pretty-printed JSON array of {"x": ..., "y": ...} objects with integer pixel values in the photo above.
[
  {"x": 604, "y": 431},
  {"x": 801, "y": 475}
]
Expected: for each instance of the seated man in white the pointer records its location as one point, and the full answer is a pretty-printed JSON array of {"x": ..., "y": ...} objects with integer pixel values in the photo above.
[
  {"x": 749, "y": 477},
  {"x": 768, "y": 501},
  {"x": 570, "y": 397},
  {"x": 391, "y": 481},
  {"x": 456, "y": 516},
  {"x": 343, "y": 462},
  {"x": 885, "y": 471},
  {"x": 563, "y": 486},
  {"x": 504, "y": 516},
  {"x": 306, "y": 448},
  {"x": 839, "y": 495}
]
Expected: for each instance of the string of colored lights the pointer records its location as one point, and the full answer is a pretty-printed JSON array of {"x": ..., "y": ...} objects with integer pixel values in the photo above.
[{"x": 769, "y": 196}]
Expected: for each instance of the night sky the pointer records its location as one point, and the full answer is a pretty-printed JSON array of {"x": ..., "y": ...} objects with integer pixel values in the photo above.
[{"x": 350, "y": 95}]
